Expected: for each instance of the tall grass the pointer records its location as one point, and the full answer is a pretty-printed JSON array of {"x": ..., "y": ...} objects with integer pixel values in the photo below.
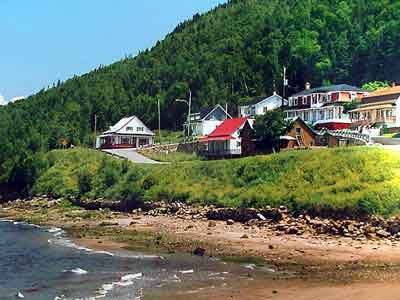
[{"x": 350, "y": 181}]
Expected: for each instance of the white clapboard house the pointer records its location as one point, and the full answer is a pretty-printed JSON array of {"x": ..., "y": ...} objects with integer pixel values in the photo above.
[
  {"x": 129, "y": 132},
  {"x": 206, "y": 120}
]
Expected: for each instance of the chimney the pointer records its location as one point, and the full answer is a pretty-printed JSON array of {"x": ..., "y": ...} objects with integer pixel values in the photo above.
[
  {"x": 393, "y": 84},
  {"x": 308, "y": 86}
]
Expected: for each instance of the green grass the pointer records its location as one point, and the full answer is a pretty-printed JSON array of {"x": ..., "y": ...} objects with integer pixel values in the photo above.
[
  {"x": 349, "y": 181},
  {"x": 169, "y": 137},
  {"x": 174, "y": 156}
]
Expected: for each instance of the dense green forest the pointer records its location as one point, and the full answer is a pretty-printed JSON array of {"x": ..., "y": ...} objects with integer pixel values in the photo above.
[{"x": 233, "y": 52}]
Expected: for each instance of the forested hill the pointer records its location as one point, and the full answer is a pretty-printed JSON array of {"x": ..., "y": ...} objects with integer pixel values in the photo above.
[{"x": 233, "y": 52}]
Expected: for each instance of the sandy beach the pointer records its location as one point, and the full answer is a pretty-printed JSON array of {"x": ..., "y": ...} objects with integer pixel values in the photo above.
[{"x": 306, "y": 267}]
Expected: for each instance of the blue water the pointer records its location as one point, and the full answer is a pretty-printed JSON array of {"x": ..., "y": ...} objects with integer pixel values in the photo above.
[{"x": 41, "y": 264}]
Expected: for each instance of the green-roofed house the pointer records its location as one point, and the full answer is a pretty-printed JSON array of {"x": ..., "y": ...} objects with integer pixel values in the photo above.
[{"x": 323, "y": 106}]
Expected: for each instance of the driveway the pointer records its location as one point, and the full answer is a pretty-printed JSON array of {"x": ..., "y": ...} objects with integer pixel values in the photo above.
[{"x": 131, "y": 155}]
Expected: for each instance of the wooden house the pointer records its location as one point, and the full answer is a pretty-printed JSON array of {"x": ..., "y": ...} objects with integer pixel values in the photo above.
[
  {"x": 324, "y": 106},
  {"x": 129, "y": 132},
  {"x": 233, "y": 138},
  {"x": 206, "y": 120},
  {"x": 260, "y": 105},
  {"x": 299, "y": 136}
]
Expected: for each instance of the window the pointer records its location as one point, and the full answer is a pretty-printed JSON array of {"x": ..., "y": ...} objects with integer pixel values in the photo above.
[
  {"x": 298, "y": 131},
  {"x": 314, "y": 115},
  {"x": 265, "y": 109},
  {"x": 129, "y": 128},
  {"x": 315, "y": 99},
  {"x": 304, "y": 100},
  {"x": 306, "y": 115},
  {"x": 238, "y": 144},
  {"x": 140, "y": 129},
  {"x": 295, "y": 101}
]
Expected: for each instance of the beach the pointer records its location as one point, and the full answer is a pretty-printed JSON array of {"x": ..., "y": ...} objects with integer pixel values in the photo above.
[{"x": 279, "y": 266}]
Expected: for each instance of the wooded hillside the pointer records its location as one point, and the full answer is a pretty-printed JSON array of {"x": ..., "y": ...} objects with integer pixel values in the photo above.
[{"x": 235, "y": 51}]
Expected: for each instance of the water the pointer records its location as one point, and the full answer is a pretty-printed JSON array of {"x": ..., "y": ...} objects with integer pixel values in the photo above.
[{"x": 41, "y": 264}]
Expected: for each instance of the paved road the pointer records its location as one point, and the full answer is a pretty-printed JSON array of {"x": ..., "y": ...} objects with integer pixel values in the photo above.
[{"x": 131, "y": 155}]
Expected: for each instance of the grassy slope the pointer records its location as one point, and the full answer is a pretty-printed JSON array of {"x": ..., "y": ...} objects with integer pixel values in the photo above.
[{"x": 351, "y": 181}]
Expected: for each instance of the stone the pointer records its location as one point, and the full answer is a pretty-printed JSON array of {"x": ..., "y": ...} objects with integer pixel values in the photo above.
[
  {"x": 244, "y": 236},
  {"x": 230, "y": 222},
  {"x": 292, "y": 230},
  {"x": 382, "y": 234},
  {"x": 199, "y": 251}
]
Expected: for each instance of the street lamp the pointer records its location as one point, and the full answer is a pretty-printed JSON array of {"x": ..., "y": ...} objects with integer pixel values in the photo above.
[{"x": 189, "y": 104}]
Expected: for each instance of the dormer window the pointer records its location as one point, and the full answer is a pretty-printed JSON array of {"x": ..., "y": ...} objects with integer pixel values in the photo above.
[
  {"x": 140, "y": 129},
  {"x": 129, "y": 128}
]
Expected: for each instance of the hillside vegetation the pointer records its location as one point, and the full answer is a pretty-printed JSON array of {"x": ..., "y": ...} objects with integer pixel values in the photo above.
[
  {"x": 235, "y": 51},
  {"x": 352, "y": 181}
]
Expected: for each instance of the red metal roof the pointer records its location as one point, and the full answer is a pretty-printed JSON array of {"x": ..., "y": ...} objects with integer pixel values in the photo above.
[{"x": 225, "y": 130}]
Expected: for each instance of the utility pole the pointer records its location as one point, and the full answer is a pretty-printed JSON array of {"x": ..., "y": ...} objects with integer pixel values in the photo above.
[
  {"x": 159, "y": 120},
  {"x": 95, "y": 131},
  {"x": 285, "y": 83},
  {"x": 189, "y": 104}
]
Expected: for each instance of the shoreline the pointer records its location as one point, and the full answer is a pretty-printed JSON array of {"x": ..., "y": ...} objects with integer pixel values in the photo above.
[{"x": 317, "y": 264}]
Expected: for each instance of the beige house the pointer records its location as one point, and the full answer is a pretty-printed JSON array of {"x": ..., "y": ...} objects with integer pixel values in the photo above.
[{"x": 379, "y": 107}]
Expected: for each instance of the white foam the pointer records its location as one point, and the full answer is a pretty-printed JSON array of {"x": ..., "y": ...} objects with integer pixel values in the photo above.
[
  {"x": 187, "y": 272},
  {"x": 78, "y": 271},
  {"x": 104, "y": 252},
  {"x": 20, "y": 295},
  {"x": 54, "y": 230},
  {"x": 131, "y": 276}
]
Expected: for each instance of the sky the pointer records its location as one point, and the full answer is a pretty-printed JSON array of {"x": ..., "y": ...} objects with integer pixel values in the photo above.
[{"x": 43, "y": 41}]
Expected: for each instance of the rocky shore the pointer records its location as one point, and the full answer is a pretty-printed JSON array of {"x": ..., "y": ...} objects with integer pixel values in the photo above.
[{"x": 282, "y": 221}]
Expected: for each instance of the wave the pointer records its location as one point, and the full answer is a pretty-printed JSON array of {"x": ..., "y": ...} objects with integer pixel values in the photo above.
[
  {"x": 77, "y": 271},
  {"x": 126, "y": 280}
]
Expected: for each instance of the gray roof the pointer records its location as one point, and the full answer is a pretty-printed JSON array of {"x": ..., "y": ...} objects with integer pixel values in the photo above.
[
  {"x": 259, "y": 99},
  {"x": 330, "y": 88}
]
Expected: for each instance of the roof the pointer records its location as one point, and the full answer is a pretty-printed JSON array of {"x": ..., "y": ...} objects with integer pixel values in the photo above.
[
  {"x": 259, "y": 99},
  {"x": 205, "y": 111},
  {"x": 373, "y": 107},
  {"x": 298, "y": 119},
  {"x": 330, "y": 88},
  {"x": 226, "y": 129},
  {"x": 385, "y": 94},
  {"x": 121, "y": 125}
]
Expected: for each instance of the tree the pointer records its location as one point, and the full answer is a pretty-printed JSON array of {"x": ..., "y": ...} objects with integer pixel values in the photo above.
[
  {"x": 270, "y": 127},
  {"x": 375, "y": 85}
]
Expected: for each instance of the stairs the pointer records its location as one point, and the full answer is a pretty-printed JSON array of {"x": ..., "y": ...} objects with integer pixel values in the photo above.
[{"x": 300, "y": 141}]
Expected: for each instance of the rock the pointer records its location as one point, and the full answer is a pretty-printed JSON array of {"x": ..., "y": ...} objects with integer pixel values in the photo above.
[
  {"x": 271, "y": 247},
  {"x": 382, "y": 233},
  {"x": 244, "y": 236},
  {"x": 230, "y": 222},
  {"x": 262, "y": 218},
  {"x": 199, "y": 251},
  {"x": 292, "y": 230},
  {"x": 275, "y": 292}
]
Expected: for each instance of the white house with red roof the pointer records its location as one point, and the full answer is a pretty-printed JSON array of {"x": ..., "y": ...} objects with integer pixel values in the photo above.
[
  {"x": 129, "y": 132},
  {"x": 232, "y": 138}
]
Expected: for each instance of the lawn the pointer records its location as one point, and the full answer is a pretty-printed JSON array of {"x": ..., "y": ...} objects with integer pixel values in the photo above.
[
  {"x": 350, "y": 181},
  {"x": 173, "y": 156}
]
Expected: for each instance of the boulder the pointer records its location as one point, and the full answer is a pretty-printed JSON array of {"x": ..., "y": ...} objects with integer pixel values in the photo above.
[
  {"x": 230, "y": 222},
  {"x": 199, "y": 251}
]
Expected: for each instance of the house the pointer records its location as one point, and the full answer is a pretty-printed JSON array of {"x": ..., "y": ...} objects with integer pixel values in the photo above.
[
  {"x": 260, "y": 105},
  {"x": 233, "y": 138},
  {"x": 129, "y": 132},
  {"x": 299, "y": 136},
  {"x": 205, "y": 121},
  {"x": 381, "y": 107},
  {"x": 324, "y": 106}
]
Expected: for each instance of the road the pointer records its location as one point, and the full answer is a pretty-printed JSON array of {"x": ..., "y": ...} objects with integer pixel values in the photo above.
[{"x": 131, "y": 155}]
